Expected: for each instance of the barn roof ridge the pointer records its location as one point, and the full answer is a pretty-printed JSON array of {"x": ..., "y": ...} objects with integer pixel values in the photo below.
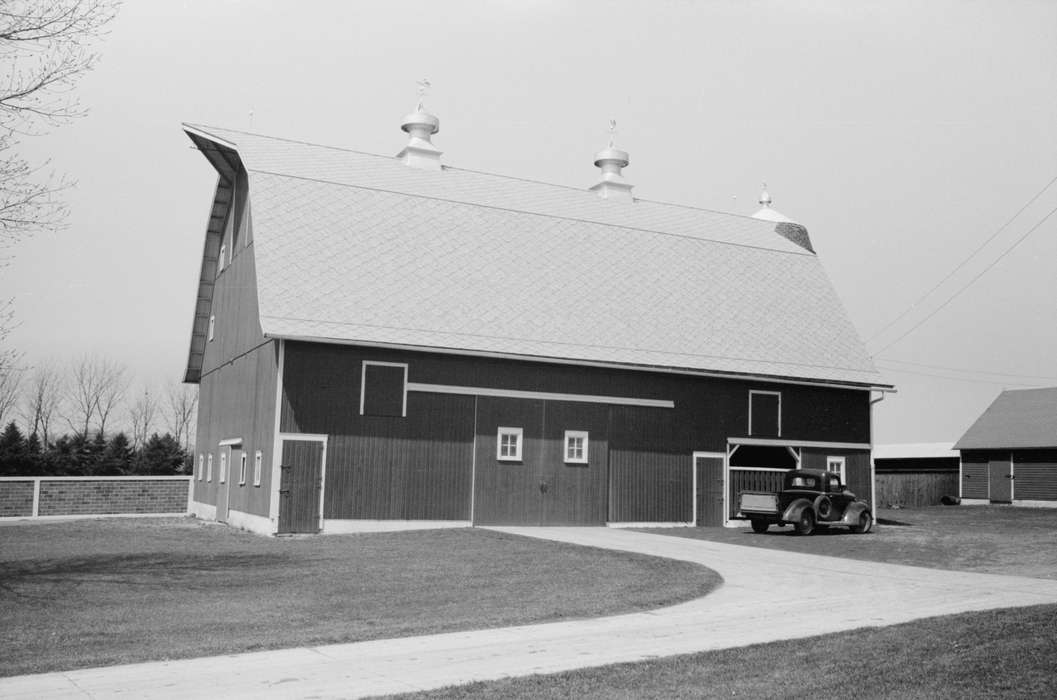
[{"x": 488, "y": 173}]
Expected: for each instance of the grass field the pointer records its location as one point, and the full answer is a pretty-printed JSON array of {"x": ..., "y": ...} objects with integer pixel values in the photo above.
[
  {"x": 999, "y": 653},
  {"x": 100, "y": 592}
]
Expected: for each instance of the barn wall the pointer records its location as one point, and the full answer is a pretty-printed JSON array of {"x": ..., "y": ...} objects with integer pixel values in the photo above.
[
  {"x": 915, "y": 489},
  {"x": 376, "y": 466},
  {"x": 856, "y": 465},
  {"x": 1036, "y": 475},
  {"x": 237, "y": 400}
]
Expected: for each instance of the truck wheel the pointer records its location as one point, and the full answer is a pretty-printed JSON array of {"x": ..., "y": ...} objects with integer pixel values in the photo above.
[
  {"x": 864, "y": 524},
  {"x": 823, "y": 506},
  {"x": 805, "y": 525},
  {"x": 759, "y": 526}
]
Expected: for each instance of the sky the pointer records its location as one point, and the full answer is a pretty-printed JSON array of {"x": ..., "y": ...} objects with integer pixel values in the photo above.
[{"x": 902, "y": 134}]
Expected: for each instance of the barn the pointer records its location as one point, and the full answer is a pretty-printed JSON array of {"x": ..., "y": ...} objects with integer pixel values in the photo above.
[
  {"x": 390, "y": 342},
  {"x": 1009, "y": 455}
]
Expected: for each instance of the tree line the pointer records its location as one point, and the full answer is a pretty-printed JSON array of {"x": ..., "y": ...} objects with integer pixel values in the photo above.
[{"x": 85, "y": 419}]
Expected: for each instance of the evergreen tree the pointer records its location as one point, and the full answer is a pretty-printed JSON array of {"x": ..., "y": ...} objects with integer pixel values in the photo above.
[
  {"x": 160, "y": 455},
  {"x": 12, "y": 451},
  {"x": 34, "y": 455},
  {"x": 117, "y": 458}
]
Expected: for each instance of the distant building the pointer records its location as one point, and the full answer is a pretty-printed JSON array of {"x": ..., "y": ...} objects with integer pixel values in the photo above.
[
  {"x": 390, "y": 342},
  {"x": 1009, "y": 455},
  {"x": 915, "y": 474}
]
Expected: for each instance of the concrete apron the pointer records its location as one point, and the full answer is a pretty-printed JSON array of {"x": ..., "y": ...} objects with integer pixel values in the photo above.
[{"x": 767, "y": 595}]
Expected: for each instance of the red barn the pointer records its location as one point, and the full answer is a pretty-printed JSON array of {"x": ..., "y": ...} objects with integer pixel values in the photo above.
[{"x": 390, "y": 342}]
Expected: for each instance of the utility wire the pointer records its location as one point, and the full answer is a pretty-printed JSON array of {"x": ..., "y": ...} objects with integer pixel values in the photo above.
[
  {"x": 967, "y": 379},
  {"x": 962, "y": 264},
  {"x": 968, "y": 284},
  {"x": 966, "y": 370}
]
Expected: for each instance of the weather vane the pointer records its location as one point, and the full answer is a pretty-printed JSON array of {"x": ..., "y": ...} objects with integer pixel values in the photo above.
[
  {"x": 612, "y": 131},
  {"x": 423, "y": 88}
]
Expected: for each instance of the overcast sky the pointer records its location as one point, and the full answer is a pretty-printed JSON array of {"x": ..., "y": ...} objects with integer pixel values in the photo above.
[{"x": 903, "y": 134}]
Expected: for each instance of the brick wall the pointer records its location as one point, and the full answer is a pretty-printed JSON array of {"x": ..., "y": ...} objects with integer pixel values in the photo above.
[
  {"x": 16, "y": 499},
  {"x": 94, "y": 496}
]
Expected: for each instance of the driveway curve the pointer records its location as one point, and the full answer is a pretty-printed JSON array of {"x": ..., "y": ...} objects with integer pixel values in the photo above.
[{"x": 808, "y": 594}]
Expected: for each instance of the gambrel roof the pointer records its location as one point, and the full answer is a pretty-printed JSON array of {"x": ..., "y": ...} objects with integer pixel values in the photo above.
[
  {"x": 358, "y": 248},
  {"x": 1018, "y": 418}
]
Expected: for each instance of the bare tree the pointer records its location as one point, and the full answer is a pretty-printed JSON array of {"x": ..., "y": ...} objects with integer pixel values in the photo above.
[
  {"x": 45, "y": 48},
  {"x": 10, "y": 385},
  {"x": 142, "y": 415},
  {"x": 41, "y": 398},
  {"x": 97, "y": 386},
  {"x": 181, "y": 410}
]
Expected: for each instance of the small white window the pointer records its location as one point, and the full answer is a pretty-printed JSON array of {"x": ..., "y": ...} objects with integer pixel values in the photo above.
[
  {"x": 212, "y": 327},
  {"x": 576, "y": 446},
  {"x": 242, "y": 470},
  {"x": 223, "y": 466},
  {"x": 257, "y": 459},
  {"x": 223, "y": 259},
  {"x": 209, "y": 467},
  {"x": 201, "y": 466},
  {"x": 837, "y": 465},
  {"x": 508, "y": 444}
]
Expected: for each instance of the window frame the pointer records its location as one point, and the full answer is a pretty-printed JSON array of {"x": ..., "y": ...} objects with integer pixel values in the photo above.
[
  {"x": 518, "y": 456},
  {"x": 766, "y": 392},
  {"x": 242, "y": 467},
  {"x": 258, "y": 460},
  {"x": 221, "y": 261},
  {"x": 843, "y": 462},
  {"x": 223, "y": 470},
  {"x": 201, "y": 465},
  {"x": 209, "y": 467},
  {"x": 363, "y": 385},
  {"x": 576, "y": 435},
  {"x": 212, "y": 327}
]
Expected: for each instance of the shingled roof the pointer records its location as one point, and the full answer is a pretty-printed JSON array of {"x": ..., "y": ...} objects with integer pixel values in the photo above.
[
  {"x": 1017, "y": 419},
  {"x": 359, "y": 248}
]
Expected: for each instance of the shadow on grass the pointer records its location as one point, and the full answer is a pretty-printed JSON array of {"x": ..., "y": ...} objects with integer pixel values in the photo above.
[
  {"x": 897, "y": 523},
  {"x": 46, "y": 579}
]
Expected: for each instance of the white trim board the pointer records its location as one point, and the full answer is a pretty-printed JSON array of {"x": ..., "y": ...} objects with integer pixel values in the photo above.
[
  {"x": 799, "y": 443},
  {"x": 344, "y": 526},
  {"x": 644, "y": 525},
  {"x": 542, "y": 395}
]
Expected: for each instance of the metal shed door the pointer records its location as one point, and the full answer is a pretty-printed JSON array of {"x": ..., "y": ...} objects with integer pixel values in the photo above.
[
  {"x": 1001, "y": 478},
  {"x": 300, "y": 486}
]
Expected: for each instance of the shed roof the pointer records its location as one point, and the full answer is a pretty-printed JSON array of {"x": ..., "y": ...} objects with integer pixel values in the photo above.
[
  {"x": 1018, "y": 418},
  {"x": 359, "y": 248}
]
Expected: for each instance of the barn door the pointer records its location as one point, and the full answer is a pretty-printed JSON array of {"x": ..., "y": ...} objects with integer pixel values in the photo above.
[
  {"x": 574, "y": 459},
  {"x": 708, "y": 480},
  {"x": 1000, "y": 473},
  {"x": 301, "y": 486}
]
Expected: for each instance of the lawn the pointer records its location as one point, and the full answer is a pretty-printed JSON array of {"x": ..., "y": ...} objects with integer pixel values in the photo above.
[
  {"x": 984, "y": 654},
  {"x": 982, "y": 539},
  {"x": 100, "y": 592}
]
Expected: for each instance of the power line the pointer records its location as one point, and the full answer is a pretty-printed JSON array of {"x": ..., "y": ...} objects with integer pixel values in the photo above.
[
  {"x": 962, "y": 264},
  {"x": 968, "y": 284},
  {"x": 966, "y": 379},
  {"x": 966, "y": 370}
]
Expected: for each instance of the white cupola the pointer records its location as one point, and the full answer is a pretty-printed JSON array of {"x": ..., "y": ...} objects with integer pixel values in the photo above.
[
  {"x": 611, "y": 184},
  {"x": 767, "y": 213},
  {"x": 420, "y": 125},
  {"x": 784, "y": 226}
]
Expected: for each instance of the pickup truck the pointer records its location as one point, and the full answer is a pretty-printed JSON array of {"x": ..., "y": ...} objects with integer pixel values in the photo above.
[{"x": 808, "y": 499}]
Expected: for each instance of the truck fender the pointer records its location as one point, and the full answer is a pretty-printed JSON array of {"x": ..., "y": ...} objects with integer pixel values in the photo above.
[
  {"x": 852, "y": 513},
  {"x": 795, "y": 509}
]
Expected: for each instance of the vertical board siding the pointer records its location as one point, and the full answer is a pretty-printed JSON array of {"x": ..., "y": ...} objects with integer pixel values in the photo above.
[
  {"x": 508, "y": 492},
  {"x": 916, "y": 489},
  {"x": 856, "y": 465},
  {"x": 576, "y": 493},
  {"x": 237, "y": 400},
  {"x": 750, "y": 480},
  {"x": 709, "y": 491},
  {"x": 650, "y": 477},
  {"x": 999, "y": 471}
]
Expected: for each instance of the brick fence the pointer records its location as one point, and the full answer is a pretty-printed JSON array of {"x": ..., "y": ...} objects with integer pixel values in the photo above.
[{"x": 49, "y": 496}]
